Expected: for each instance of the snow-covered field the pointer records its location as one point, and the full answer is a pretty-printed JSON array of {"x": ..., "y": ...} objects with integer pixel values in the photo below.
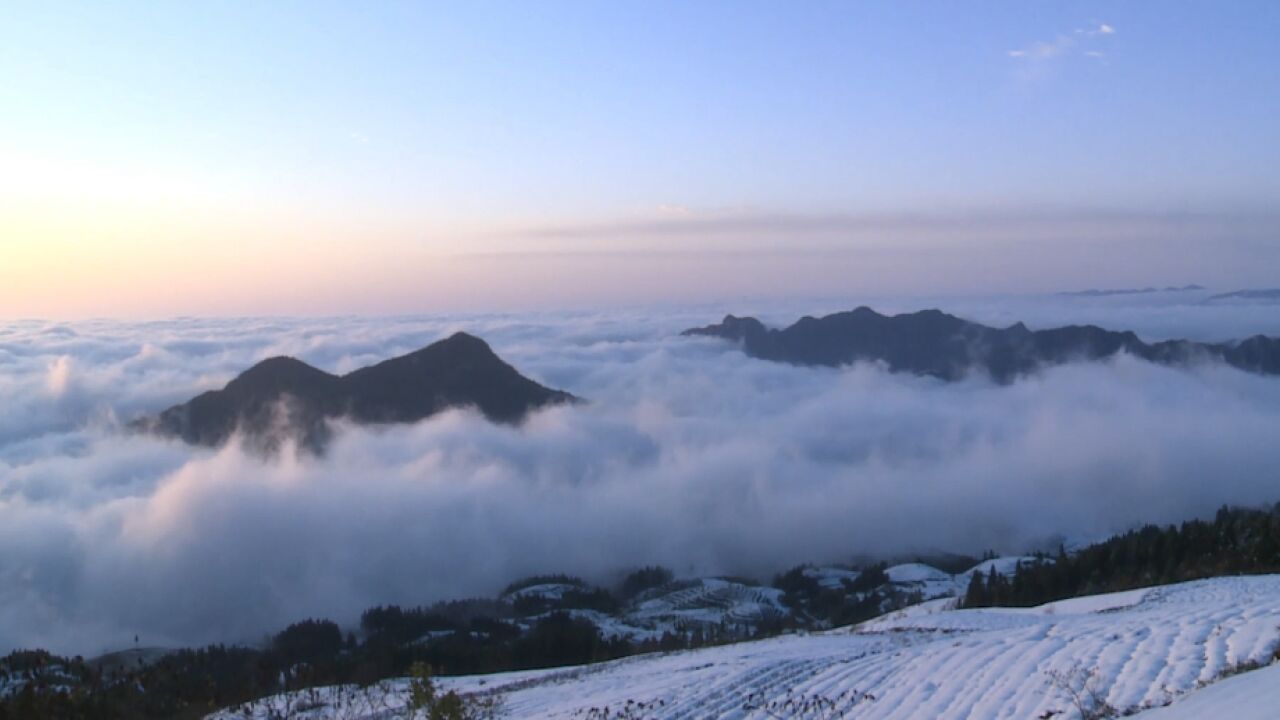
[
  {"x": 686, "y": 605},
  {"x": 692, "y": 604},
  {"x": 1249, "y": 696},
  {"x": 1134, "y": 650},
  {"x": 709, "y": 601}
]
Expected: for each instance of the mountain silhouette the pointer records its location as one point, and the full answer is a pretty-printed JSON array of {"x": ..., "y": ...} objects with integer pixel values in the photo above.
[
  {"x": 283, "y": 398},
  {"x": 1094, "y": 292},
  {"x": 931, "y": 342},
  {"x": 1269, "y": 294}
]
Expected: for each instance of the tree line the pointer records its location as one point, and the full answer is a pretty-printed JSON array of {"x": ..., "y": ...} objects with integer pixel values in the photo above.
[
  {"x": 516, "y": 632},
  {"x": 1237, "y": 541}
]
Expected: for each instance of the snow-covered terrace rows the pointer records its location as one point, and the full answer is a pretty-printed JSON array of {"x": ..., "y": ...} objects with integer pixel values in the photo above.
[{"x": 1136, "y": 650}]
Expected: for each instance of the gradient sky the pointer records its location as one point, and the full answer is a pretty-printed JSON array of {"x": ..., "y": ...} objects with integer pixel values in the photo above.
[{"x": 236, "y": 157}]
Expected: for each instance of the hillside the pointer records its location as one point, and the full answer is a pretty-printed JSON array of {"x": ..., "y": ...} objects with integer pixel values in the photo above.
[
  {"x": 1141, "y": 645},
  {"x": 1134, "y": 651}
]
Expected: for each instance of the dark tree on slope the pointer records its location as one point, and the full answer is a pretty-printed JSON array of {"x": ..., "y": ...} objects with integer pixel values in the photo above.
[
  {"x": 851, "y": 602},
  {"x": 308, "y": 641},
  {"x": 560, "y": 639},
  {"x": 645, "y": 578},
  {"x": 1237, "y": 541}
]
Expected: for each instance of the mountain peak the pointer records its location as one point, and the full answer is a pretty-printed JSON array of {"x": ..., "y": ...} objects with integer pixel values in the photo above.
[
  {"x": 464, "y": 339},
  {"x": 731, "y": 328},
  {"x": 284, "y": 398},
  {"x": 279, "y": 370},
  {"x": 458, "y": 347}
]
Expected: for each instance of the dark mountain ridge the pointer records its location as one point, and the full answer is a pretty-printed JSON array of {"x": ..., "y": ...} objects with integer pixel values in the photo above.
[
  {"x": 1095, "y": 292},
  {"x": 1268, "y": 294},
  {"x": 931, "y": 342},
  {"x": 283, "y": 398}
]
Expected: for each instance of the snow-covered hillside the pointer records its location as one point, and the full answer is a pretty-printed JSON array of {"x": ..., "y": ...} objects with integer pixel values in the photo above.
[
  {"x": 740, "y": 606},
  {"x": 677, "y": 607},
  {"x": 709, "y": 602},
  {"x": 1249, "y": 696},
  {"x": 1134, "y": 650}
]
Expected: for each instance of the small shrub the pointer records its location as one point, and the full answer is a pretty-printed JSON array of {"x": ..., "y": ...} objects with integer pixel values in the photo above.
[{"x": 426, "y": 701}]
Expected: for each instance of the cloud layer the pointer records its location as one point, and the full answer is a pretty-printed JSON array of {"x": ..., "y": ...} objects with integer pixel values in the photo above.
[{"x": 690, "y": 455}]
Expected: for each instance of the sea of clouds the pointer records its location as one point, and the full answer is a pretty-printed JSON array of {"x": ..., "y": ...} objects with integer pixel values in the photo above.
[{"x": 687, "y": 454}]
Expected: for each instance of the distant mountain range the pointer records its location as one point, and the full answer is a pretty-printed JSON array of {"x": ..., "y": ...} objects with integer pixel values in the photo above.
[
  {"x": 283, "y": 398},
  {"x": 1270, "y": 294},
  {"x": 1132, "y": 291},
  {"x": 1261, "y": 295},
  {"x": 931, "y": 342}
]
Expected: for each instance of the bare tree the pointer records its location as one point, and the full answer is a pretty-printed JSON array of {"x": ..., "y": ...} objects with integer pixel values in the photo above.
[{"x": 1082, "y": 687}]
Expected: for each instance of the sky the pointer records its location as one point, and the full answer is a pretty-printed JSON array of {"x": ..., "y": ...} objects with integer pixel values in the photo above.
[
  {"x": 189, "y": 188},
  {"x": 215, "y": 158}
]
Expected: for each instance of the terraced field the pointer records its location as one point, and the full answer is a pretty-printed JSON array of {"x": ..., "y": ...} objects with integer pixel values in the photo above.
[{"x": 1133, "y": 651}]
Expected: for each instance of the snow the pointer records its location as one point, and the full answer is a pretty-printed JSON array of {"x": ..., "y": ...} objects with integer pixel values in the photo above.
[
  {"x": 1094, "y": 603},
  {"x": 831, "y": 577},
  {"x": 610, "y": 626},
  {"x": 684, "y": 606},
  {"x": 1136, "y": 650},
  {"x": 916, "y": 573},
  {"x": 1248, "y": 696},
  {"x": 928, "y": 607},
  {"x": 927, "y": 580},
  {"x": 705, "y": 602},
  {"x": 1003, "y": 566},
  {"x": 54, "y": 676},
  {"x": 549, "y": 591}
]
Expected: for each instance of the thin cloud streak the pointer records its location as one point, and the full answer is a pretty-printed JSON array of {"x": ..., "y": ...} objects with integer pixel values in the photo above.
[
  {"x": 1035, "y": 57},
  {"x": 690, "y": 221}
]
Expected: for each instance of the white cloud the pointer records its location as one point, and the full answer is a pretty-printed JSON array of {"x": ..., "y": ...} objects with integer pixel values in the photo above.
[
  {"x": 673, "y": 210},
  {"x": 689, "y": 454},
  {"x": 1080, "y": 41},
  {"x": 1041, "y": 51},
  {"x": 59, "y": 378}
]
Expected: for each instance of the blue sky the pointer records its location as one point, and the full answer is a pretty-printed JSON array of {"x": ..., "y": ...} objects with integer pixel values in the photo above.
[{"x": 402, "y": 132}]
